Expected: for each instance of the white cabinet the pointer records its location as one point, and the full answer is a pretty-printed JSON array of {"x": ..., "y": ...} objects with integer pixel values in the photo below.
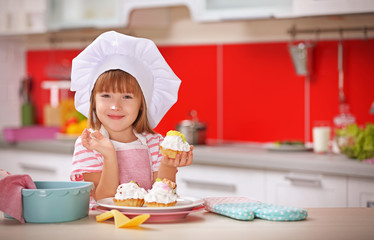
[
  {"x": 361, "y": 192},
  {"x": 70, "y": 14},
  {"x": 220, "y": 10},
  {"x": 331, "y": 7},
  {"x": 8, "y": 163},
  {"x": 223, "y": 10},
  {"x": 213, "y": 181},
  {"x": 297, "y": 189},
  {"x": 217, "y": 10},
  {"x": 305, "y": 189},
  {"x": 22, "y": 16},
  {"x": 40, "y": 166}
]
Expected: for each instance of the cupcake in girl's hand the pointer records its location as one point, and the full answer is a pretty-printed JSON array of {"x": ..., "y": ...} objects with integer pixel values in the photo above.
[
  {"x": 174, "y": 143},
  {"x": 162, "y": 194},
  {"x": 130, "y": 195}
]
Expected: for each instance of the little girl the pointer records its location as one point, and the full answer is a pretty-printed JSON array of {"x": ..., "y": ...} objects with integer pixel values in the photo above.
[{"x": 124, "y": 86}]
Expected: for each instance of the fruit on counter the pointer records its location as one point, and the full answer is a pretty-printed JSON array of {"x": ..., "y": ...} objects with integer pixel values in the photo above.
[
  {"x": 72, "y": 120},
  {"x": 356, "y": 142},
  {"x": 72, "y": 129},
  {"x": 75, "y": 124}
]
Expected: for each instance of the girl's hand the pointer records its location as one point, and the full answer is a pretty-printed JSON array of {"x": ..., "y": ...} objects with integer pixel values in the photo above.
[
  {"x": 181, "y": 160},
  {"x": 96, "y": 141}
]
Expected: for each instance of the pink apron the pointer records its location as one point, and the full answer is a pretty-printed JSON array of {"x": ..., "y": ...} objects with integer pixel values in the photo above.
[{"x": 134, "y": 162}]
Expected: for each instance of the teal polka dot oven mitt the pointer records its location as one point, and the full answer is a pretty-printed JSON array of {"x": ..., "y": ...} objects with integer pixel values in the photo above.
[{"x": 242, "y": 208}]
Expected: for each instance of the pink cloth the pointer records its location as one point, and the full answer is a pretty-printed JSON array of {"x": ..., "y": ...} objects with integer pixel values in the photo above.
[{"x": 11, "y": 194}]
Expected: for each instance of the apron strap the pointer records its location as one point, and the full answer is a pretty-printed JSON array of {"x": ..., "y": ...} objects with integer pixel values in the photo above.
[
  {"x": 103, "y": 131},
  {"x": 143, "y": 140}
]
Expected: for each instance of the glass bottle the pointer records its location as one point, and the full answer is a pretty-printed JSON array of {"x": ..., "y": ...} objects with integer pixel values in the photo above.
[{"x": 341, "y": 120}]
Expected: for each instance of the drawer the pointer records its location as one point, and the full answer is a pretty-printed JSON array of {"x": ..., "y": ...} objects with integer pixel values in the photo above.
[
  {"x": 213, "y": 181},
  {"x": 300, "y": 189},
  {"x": 361, "y": 192},
  {"x": 40, "y": 166}
]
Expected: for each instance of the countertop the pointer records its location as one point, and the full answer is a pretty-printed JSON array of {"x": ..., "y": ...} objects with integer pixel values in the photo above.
[
  {"x": 248, "y": 155},
  {"x": 256, "y": 156},
  {"x": 322, "y": 223}
]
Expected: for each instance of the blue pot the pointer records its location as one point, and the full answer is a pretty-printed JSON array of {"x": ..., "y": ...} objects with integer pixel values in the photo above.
[{"x": 56, "y": 201}]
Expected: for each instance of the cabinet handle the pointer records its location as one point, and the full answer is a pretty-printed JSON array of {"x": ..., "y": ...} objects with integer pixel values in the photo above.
[
  {"x": 370, "y": 204},
  {"x": 304, "y": 180},
  {"x": 30, "y": 167},
  {"x": 210, "y": 186}
]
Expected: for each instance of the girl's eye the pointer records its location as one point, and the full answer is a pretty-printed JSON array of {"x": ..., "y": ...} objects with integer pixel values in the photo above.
[
  {"x": 128, "y": 96},
  {"x": 105, "y": 95}
]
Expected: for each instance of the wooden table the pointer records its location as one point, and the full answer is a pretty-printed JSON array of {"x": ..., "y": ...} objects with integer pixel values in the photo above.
[{"x": 322, "y": 223}]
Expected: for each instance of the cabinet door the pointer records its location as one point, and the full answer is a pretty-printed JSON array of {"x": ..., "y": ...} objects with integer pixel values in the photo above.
[
  {"x": 8, "y": 161},
  {"x": 70, "y": 14},
  {"x": 331, "y": 7},
  {"x": 305, "y": 190},
  {"x": 213, "y": 181},
  {"x": 360, "y": 192},
  {"x": 40, "y": 166}
]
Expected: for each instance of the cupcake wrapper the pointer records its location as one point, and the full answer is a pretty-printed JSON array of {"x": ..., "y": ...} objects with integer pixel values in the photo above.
[
  {"x": 170, "y": 153},
  {"x": 156, "y": 204},
  {"x": 129, "y": 202}
]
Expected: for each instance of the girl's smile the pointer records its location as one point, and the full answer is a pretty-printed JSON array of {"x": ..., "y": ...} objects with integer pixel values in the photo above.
[{"x": 116, "y": 117}]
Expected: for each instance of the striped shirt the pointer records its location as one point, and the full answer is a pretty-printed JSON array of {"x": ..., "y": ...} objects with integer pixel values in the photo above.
[{"x": 90, "y": 161}]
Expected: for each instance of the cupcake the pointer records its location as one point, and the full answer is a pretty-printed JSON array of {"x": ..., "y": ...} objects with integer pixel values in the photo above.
[
  {"x": 129, "y": 195},
  {"x": 162, "y": 194},
  {"x": 174, "y": 143}
]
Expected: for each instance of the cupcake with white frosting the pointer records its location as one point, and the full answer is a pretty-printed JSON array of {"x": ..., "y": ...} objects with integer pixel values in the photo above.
[
  {"x": 174, "y": 143},
  {"x": 130, "y": 195},
  {"x": 162, "y": 194}
]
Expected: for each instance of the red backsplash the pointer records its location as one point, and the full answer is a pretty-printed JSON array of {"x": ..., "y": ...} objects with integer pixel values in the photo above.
[{"x": 262, "y": 97}]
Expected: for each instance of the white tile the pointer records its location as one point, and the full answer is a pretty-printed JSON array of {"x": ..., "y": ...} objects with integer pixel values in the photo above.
[{"x": 12, "y": 56}]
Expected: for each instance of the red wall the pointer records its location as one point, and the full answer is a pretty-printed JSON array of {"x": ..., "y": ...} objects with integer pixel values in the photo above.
[{"x": 263, "y": 98}]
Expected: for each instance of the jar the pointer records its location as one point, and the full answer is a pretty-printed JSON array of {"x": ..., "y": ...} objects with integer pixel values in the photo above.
[{"x": 341, "y": 120}]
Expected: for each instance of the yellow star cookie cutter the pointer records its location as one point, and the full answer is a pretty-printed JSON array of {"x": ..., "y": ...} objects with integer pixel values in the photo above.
[{"x": 121, "y": 220}]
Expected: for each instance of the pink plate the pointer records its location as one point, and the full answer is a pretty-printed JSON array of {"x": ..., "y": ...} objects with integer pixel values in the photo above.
[
  {"x": 183, "y": 204},
  {"x": 158, "y": 217}
]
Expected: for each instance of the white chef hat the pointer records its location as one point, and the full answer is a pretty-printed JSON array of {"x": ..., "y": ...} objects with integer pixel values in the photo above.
[{"x": 139, "y": 57}]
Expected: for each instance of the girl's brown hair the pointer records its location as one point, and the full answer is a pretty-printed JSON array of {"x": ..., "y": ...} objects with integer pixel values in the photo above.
[{"x": 119, "y": 81}]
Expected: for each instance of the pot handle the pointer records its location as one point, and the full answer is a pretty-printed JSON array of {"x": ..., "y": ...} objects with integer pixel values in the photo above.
[{"x": 193, "y": 114}]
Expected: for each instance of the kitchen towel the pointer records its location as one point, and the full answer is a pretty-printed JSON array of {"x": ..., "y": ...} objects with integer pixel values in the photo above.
[
  {"x": 11, "y": 194},
  {"x": 242, "y": 208}
]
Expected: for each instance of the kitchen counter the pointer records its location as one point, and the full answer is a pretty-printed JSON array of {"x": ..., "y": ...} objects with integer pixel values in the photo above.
[
  {"x": 247, "y": 155},
  {"x": 322, "y": 223},
  {"x": 256, "y": 156},
  {"x": 46, "y": 146}
]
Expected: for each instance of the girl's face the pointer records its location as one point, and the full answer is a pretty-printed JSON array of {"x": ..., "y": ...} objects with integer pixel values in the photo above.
[{"x": 117, "y": 111}]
